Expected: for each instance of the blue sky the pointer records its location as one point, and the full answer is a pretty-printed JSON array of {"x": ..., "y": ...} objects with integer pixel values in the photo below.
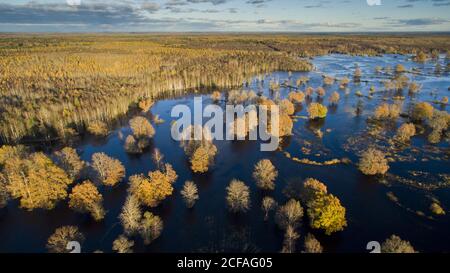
[{"x": 224, "y": 15}]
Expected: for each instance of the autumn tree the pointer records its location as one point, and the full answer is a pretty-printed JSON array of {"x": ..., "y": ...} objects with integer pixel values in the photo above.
[
  {"x": 216, "y": 96},
  {"x": 290, "y": 214},
  {"x": 36, "y": 181},
  {"x": 421, "y": 57},
  {"x": 189, "y": 193},
  {"x": 201, "y": 153},
  {"x": 69, "y": 160},
  {"x": 151, "y": 227},
  {"x": 285, "y": 125},
  {"x": 395, "y": 244},
  {"x": 387, "y": 111},
  {"x": 444, "y": 100},
  {"x": 317, "y": 110},
  {"x": 302, "y": 80},
  {"x": 414, "y": 87},
  {"x": 123, "y": 245},
  {"x": 200, "y": 160},
  {"x": 439, "y": 123},
  {"x": 85, "y": 198},
  {"x": 131, "y": 215},
  {"x": 268, "y": 204},
  {"x": 57, "y": 242},
  {"x": 290, "y": 237},
  {"x": 98, "y": 128},
  {"x": 310, "y": 188},
  {"x": 109, "y": 171},
  {"x": 320, "y": 91},
  {"x": 328, "y": 80},
  {"x": 238, "y": 196},
  {"x": 373, "y": 162},
  {"x": 357, "y": 74},
  {"x": 9, "y": 152},
  {"x": 309, "y": 91},
  {"x": 399, "y": 68},
  {"x": 145, "y": 104},
  {"x": 405, "y": 132},
  {"x": 143, "y": 131},
  {"x": 265, "y": 174},
  {"x": 150, "y": 193},
  {"x": 422, "y": 111},
  {"x": 436, "y": 208},
  {"x": 312, "y": 245},
  {"x": 326, "y": 212},
  {"x": 334, "y": 98},
  {"x": 157, "y": 157},
  {"x": 344, "y": 81},
  {"x": 287, "y": 107},
  {"x": 141, "y": 127},
  {"x": 155, "y": 188},
  {"x": 296, "y": 97},
  {"x": 131, "y": 145},
  {"x": 4, "y": 194},
  {"x": 274, "y": 86},
  {"x": 170, "y": 173}
]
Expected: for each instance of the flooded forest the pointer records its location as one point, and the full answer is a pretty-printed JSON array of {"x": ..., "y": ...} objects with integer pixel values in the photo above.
[{"x": 87, "y": 155}]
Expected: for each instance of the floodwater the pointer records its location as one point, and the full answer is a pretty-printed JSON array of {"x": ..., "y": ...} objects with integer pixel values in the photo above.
[{"x": 209, "y": 227}]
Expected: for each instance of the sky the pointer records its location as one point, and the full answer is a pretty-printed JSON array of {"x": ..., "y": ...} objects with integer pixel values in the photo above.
[{"x": 224, "y": 15}]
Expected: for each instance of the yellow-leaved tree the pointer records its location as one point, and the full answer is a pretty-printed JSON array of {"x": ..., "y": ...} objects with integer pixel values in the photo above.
[
  {"x": 200, "y": 160},
  {"x": 57, "y": 242},
  {"x": 326, "y": 212},
  {"x": 155, "y": 188},
  {"x": 69, "y": 160},
  {"x": 86, "y": 198},
  {"x": 36, "y": 181},
  {"x": 109, "y": 171}
]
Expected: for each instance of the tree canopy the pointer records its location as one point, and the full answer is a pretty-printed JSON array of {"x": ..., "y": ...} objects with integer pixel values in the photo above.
[{"x": 36, "y": 181}]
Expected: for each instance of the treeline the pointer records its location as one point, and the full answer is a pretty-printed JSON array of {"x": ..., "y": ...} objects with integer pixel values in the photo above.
[{"x": 312, "y": 45}]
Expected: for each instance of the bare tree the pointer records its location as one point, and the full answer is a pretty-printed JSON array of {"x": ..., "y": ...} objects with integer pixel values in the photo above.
[
  {"x": 57, "y": 242},
  {"x": 189, "y": 193},
  {"x": 69, "y": 160},
  {"x": 131, "y": 215},
  {"x": 289, "y": 215},
  {"x": 265, "y": 174},
  {"x": 268, "y": 204},
  {"x": 312, "y": 245},
  {"x": 290, "y": 238},
  {"x": 123, "y": 245},
  {"x": 157, "y": 157},
  {"x": 151, "y": 227},
  {"x": 238, "y": 196},
  {"x": 110, "y": 171}
]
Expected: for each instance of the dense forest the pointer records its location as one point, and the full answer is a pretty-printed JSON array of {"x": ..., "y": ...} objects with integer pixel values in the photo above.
[{"x": 54, "y": 87}]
